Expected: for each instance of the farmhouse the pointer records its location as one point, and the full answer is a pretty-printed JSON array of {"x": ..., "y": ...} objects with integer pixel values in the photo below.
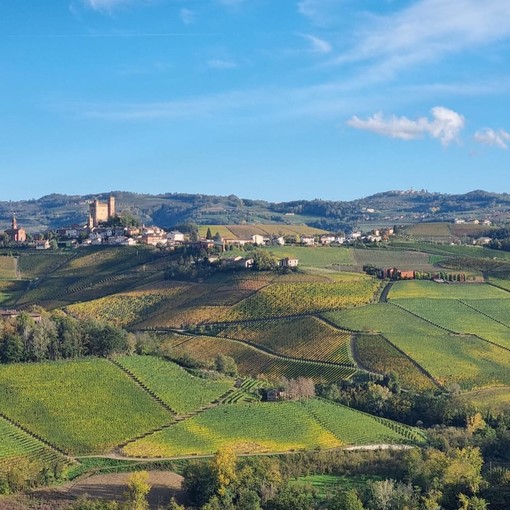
[
  {"x": 42, "y": 244},
  {"x": 288, "y": 262},
  {"x": 12, "y": 314}
]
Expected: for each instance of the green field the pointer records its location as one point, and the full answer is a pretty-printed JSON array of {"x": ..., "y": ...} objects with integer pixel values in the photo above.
[
  {"x": 173, "y": 385},
  {"x": 426, "y": 289},
  {"x": 316, "y": 256},
  {"x": 252, "y": 361},
  {"x": 495, "y": 400},
  {"x": 463, "y": 359},
  {"x": 302, "y": 337},
  {"x": 405, "y": 260},
  {"x": 457, "y": 316},
  {"x": 17, "y": 444},
  {"x": 86, "y": 406},
  {"x": 268, "y": 427}
]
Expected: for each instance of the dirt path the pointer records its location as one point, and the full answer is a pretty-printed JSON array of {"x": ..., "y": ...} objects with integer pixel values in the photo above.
[{"x": 111, "y": 487}]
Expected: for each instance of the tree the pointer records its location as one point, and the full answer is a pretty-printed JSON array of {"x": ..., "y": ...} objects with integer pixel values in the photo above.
[
  {"x": 224, "y": 469},
  {"x": 473, "y": 503},
  {"x": 173, "y": 505},
  {"x": 138, "y": 488},
  {"x": 347, "y": 500},
  {"x": 208, "y": 235},
  {"x": 225, "y": 365},
  {"x": 264, "y": 261}
]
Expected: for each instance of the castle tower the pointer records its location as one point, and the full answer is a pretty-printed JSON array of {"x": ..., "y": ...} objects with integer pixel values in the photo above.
[{"x": 111, "y": 206}]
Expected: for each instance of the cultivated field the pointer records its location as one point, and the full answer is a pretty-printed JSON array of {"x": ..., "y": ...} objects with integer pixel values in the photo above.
[
  {"x": 268, "y": 427},
  {"x": 252, "y": 361},
  {"x": 7, "y": 268},
  {"x": 404, "y": 260},
  {"x": 172, "y": 384},
  {"x": 85, "y": 406},
  {"x": 463, "y": 359},
  {"x": 316, "y": 256},
  {"x": 305, "y": 337}
]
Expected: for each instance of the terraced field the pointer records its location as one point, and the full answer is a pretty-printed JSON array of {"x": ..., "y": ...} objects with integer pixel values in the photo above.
[
  {"x": 176, "y": 387},
  {"x": 376, "y": 354},
  {"x": 463, "y": 359},
  {"x": 85, "y": 406},
  {"x": 306, "y": 337},
  {"x": 17, "y": 444},
  {"x": 252, "y": 362},
  {"x": 267, "y": 427}
]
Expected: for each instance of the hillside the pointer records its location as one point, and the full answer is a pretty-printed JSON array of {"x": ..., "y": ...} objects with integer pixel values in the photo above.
[{"x": 171, "y": 209}]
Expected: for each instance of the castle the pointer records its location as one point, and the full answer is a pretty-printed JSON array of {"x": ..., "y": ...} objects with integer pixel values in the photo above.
[{"x": 100, "y": 211}]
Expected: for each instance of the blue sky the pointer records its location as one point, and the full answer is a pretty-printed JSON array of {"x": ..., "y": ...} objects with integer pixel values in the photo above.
[{"x": 271, "y": 99}]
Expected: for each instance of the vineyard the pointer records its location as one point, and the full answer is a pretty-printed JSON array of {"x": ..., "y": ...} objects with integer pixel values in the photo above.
[
  {"x": 16, "y": 444},
  {"x": 7, "y": 268},
  {"x": 86, "y": 406},
  {"x": 411, "y": 260},
  {"x": 284, "y": 299},
  {"x": 269, "y": 427},
  {"x": 36, "y": 265},
  {"x": 316, "y": 256},
  {"x": 463, "y": 359},
  {"x": 176, "y": 387},
  {"x": 252, "y": 361},
  {"x": 495, "y": 399},
  {"x": 306, "y": 337},
  {"x": 375, "y": 353},
  {"x": 462, "y": 317}
]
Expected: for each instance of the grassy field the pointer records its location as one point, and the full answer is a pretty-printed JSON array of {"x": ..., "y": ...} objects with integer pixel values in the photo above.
[
  {"x": 86, "y": 406},
  {"x": 17, "y": 444},
  {"x": 316, "y": 256},
  {"x": 405, "y": 260},
  {"x": 306, "y": 337},
  {"x": 252, "y": 361},
  {"x": 7, "y": 268},
  {"x": 463, "y": 359},
  {"x": 267, "y": 427},
  {"x": 426, "y": 289},
  {"x": 172, "y": 384},
  {"x": 375, "y": 353}
]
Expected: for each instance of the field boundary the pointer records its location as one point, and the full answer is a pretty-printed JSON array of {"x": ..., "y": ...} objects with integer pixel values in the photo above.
[{"x": 483, "y": 313}]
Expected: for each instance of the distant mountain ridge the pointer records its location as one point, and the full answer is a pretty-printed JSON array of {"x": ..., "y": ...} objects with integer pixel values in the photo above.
[{"x": 169, "y": 209}]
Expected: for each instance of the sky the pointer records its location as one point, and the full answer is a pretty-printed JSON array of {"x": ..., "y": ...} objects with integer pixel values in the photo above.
[{"x": 270, "y": 99}]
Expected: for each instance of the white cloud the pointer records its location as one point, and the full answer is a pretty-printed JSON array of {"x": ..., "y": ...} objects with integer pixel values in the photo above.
[
  {"x": 218, "y": 63},
  {"x": 318, "y": 45},
  {"x": 445, "y": 125},
  {"x": 427, "y": 30},
  {"x": 187, "y": 16},
  {"x": 488, "y": 136}
]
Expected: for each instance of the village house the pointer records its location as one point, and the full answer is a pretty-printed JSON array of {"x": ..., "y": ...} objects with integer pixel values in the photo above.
[
  {"x": 175, "y": 237},
  {"x": 307, "y": 240},
  {"x": 288, "y": 262},
  {"x": 42, "y": 244},
  {"x": 258, "y": 239}
]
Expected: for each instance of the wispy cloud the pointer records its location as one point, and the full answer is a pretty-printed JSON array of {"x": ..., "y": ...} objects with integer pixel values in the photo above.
[
  {"x": 218, "y": 63},
  {"x": 445, "y": 125},
  {"x": 187, "y": 16},
  {"x": 426, "y": 31},
  {"x": 318, "y": 45},
  {"x": 488, "y": 136},
  {"x": 110, "y": 5}
]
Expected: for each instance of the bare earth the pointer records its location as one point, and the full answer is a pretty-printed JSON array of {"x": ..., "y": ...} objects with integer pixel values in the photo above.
[{"x": 112, "y": 487}]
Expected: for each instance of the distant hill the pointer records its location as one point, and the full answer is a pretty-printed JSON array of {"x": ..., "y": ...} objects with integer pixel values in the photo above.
[{"x": 172, "y": 209}]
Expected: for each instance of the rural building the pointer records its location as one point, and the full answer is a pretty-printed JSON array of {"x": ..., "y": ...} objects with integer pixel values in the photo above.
[
  {"x": 175, "y": 237},
  {"x": 12, "y": 314},
  {"x": 274, "y": 394},
  {"x": 16, "y": 234},
  {"x": 42, "y": 244},
  {"x": 288, "y": 262},
  {"x": 258, "y": 239},
  {"x": 308, "y": 241}
]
